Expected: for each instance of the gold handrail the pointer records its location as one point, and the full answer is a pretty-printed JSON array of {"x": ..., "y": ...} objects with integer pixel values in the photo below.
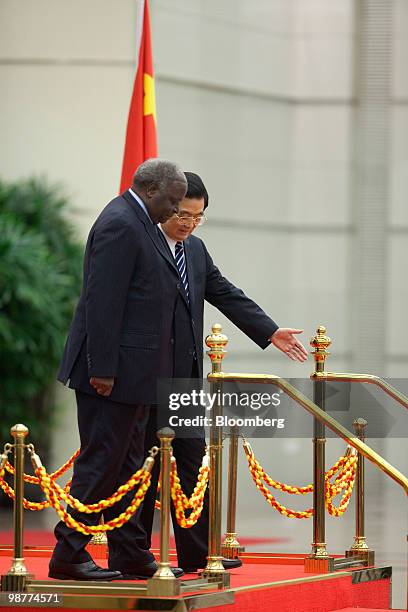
[
  {"x": 364, "y": 378},
  {"x": 270, "y": 379}
]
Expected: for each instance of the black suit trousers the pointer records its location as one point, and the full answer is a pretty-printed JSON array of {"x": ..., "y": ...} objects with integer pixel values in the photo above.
[{"x": 112, "y": 449}]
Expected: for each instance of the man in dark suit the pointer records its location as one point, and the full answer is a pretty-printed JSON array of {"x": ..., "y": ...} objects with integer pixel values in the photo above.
[
  {"x": 119, "y": 344},
  {"x": 202, "y": 281}
]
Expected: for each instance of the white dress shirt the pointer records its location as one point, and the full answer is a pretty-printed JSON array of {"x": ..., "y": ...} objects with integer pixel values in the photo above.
[{"x": 172, "y": 243}]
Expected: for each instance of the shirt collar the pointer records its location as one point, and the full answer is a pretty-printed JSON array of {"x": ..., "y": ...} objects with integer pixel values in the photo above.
[{"x": 141, "y": 203}]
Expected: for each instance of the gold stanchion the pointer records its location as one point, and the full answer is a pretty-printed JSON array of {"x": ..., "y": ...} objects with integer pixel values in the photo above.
[
  {"x": 360, "y": 548},
  {"x": 214, "y": 569},
  {"x": 16, "y": 577},
  {"x": 164, "y": 583},
  {"x": 319, "y": 560},
  {"x": 231, "y": 547},
  {"x": 99, "y": 539}
]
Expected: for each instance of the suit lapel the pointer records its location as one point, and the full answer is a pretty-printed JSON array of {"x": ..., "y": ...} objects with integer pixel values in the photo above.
[{"x": 152, "y": 231}]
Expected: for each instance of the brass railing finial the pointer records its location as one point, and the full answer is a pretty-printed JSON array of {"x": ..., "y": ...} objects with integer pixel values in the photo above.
[
  {"x": 216, "y": 342},
  {"x": 320, "y": 342}
]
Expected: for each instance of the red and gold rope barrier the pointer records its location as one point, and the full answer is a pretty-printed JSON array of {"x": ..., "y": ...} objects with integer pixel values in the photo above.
[
  {"x": 55, "y": 494},
  {"x": 195, "y": 502},
  {"x": 34, "y": 480},
  {"x": 180, "y": 500},
  {"x": 30, "y": 505},
  {"x": 47, "y": 484},
  {"x": 345, "y": 468}
]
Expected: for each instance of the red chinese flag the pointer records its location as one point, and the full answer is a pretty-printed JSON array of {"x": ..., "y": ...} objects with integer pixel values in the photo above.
[{"x": 141, "y": 139}]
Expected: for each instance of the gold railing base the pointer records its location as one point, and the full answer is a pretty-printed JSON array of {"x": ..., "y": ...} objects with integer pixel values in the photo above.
[
  {"x": 214, "y": 567},
  {"x": 99, "y": 539},
  {"x": 223, "y": 580},
  {"x": 231, "y": 548},
  {"x": 231, "y": 552},
  {"x": 163, "y": 586},
  {"x": 319, "y": 565},
  {"x": 15, "y": 582},
  {"x": 367, "y": 555}
]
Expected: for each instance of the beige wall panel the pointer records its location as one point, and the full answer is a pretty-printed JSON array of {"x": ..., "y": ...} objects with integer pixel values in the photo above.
[
  {"x": 320, "y": 194},
  {"x": 322, "y": 67},
  {"x": 216, "y": 51},
  {"x": 299, "y": 281},
  {"x": 314, "y": 17},
  {"x": 397, "y": 289},
  {"x": 399, "y": 167},
  {"x": 273, "y": 15},
  {"x": 66, "y": 123},
  {"x": 319, "y": 286},
  {"x": 95, "y": 29},
  {"x": 400, "y": 50},
  {"x": 322, "y": 134},
  {"x": 322, "y": 47},
  {"x": 240, "y": 146}
]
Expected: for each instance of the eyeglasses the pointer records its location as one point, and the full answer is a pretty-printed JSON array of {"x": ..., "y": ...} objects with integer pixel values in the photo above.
[{"x": 184, "y": 219}]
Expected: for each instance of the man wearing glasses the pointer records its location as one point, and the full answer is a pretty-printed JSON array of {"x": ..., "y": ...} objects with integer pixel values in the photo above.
[{"x": 202, "y": 281}]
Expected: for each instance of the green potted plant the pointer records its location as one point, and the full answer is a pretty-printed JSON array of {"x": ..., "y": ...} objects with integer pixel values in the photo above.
[{"x": 40, "y": 276}]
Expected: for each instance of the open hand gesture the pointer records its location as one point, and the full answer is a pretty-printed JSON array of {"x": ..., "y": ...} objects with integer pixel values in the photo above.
[{"x": 285, "y": 340}]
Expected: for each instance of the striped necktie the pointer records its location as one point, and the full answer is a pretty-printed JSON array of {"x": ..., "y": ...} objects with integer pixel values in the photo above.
[{"x": 181, "y": 265}]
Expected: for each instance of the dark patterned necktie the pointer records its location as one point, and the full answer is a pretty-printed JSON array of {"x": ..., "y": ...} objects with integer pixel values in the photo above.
[{"x": 181, "y": 265}]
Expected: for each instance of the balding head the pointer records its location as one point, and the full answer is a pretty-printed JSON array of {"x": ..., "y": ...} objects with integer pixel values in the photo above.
[{"x": 162, "y": 185}]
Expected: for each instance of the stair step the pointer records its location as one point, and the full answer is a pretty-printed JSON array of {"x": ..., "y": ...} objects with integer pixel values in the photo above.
[{"x": 347, "y": 562}]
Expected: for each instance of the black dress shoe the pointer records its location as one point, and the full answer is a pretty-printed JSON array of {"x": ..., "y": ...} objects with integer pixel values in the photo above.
[
  {"x": 227, "y": 563},
  {"x": 81, "y": 571},
  {"x": 231, "y": 563},
  {"x": 146, "y": 571}
]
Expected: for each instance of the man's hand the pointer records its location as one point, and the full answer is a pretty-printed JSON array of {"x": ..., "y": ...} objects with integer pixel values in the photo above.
[
  {"x": 284, "y": 339},
  {"x": 103, "y": 386}
]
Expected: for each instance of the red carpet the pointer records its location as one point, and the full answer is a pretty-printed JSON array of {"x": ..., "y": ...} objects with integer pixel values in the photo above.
[
  {"x": 46, "y": 538},
  {"x": 254, "y": 592}
]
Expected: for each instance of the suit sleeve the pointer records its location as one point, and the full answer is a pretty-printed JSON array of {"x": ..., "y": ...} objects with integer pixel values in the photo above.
[
  {"x": 236, "y": 306},
  {"x": 112, "y": 260}
]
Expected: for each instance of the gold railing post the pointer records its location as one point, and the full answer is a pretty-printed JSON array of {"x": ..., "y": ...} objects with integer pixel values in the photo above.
[
  {"x": 359, "y": 547},
  {"x": 16, "y": 577},
  {"x": 164, "y": 583},
  {"x": 216, "y": 342},
  {"x": 231, "y": 546},
  {"x": 319, "y": 560}
]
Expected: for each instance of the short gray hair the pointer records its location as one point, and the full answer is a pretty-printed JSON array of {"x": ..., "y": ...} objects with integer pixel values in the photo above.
[{"x": 158, "y": 172}]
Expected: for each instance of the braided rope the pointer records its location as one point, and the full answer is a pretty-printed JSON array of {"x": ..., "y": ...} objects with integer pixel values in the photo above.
[
  {"x": 345, "y": 468},
  {"x": 195, "y": 502},
  {"x": 33, "y": 480},
  {"x": 180, "y": 500},
  {"x": 48, "y": 485}
]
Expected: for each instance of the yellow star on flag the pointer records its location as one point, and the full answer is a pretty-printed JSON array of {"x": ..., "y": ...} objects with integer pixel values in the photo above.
[{"x": 149, "y": 99}]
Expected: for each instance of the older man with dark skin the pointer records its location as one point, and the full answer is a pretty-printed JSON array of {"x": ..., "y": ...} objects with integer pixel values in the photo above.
[
  {"x": 202, "y": 281},
  {"x": 118, "y": 346}
]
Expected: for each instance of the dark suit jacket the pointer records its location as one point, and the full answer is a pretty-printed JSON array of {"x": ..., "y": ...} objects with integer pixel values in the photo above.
[{"x": 133, "y": 321}]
